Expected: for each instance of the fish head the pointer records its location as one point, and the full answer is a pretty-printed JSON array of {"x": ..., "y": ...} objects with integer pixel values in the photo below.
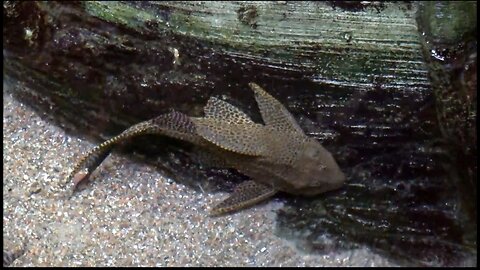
[{"x": 316, "y": 170}]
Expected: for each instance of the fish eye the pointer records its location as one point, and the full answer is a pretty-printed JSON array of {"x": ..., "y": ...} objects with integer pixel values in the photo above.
[{"x": 312, "y": 152}]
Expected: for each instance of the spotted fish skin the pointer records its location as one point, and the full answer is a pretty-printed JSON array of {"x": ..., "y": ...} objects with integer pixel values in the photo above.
[
  {"x": 277, "y": 155},
  {"x": 173, "y": 124}
]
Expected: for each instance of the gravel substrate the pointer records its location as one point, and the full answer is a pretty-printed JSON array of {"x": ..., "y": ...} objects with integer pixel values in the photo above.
[{"x": 129, "y": 214}]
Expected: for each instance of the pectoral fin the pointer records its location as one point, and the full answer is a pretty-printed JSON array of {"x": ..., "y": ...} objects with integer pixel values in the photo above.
[
  {"x": 220, "y": 109},
  {"x": 274, "y": 114},
  {"x": 244, "y": 195},
  {"x": 246, "y": 138}
]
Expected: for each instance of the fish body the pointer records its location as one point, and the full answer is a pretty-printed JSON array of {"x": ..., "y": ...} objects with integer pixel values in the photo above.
[{"x": 276, "y": 155}]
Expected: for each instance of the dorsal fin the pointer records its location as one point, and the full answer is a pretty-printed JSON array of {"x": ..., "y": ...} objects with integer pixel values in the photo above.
[
  {"x": 274, "y": 114},
  {"x": 220, "y": 109},
  {"x": 242, "y": 138}
]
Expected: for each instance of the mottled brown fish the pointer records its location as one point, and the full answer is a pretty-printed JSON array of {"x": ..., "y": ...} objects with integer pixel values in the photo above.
[{"x": 278, "y": 156}]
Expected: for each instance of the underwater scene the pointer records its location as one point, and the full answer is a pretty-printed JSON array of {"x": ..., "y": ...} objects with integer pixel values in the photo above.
[{"x": 237, "y": 133}]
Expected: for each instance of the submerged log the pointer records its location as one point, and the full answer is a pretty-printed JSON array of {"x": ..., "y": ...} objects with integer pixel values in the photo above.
[
  {"x": 353, "y": 74},
  {"x": 450, "y": 46}
]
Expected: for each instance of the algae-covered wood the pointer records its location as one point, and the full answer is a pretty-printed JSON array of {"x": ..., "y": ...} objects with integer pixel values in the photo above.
[{"x": 312, "y": 39}]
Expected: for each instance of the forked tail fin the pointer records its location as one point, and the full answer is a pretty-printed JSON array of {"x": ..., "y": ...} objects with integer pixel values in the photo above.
[{"x": 173, "y": 124}]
